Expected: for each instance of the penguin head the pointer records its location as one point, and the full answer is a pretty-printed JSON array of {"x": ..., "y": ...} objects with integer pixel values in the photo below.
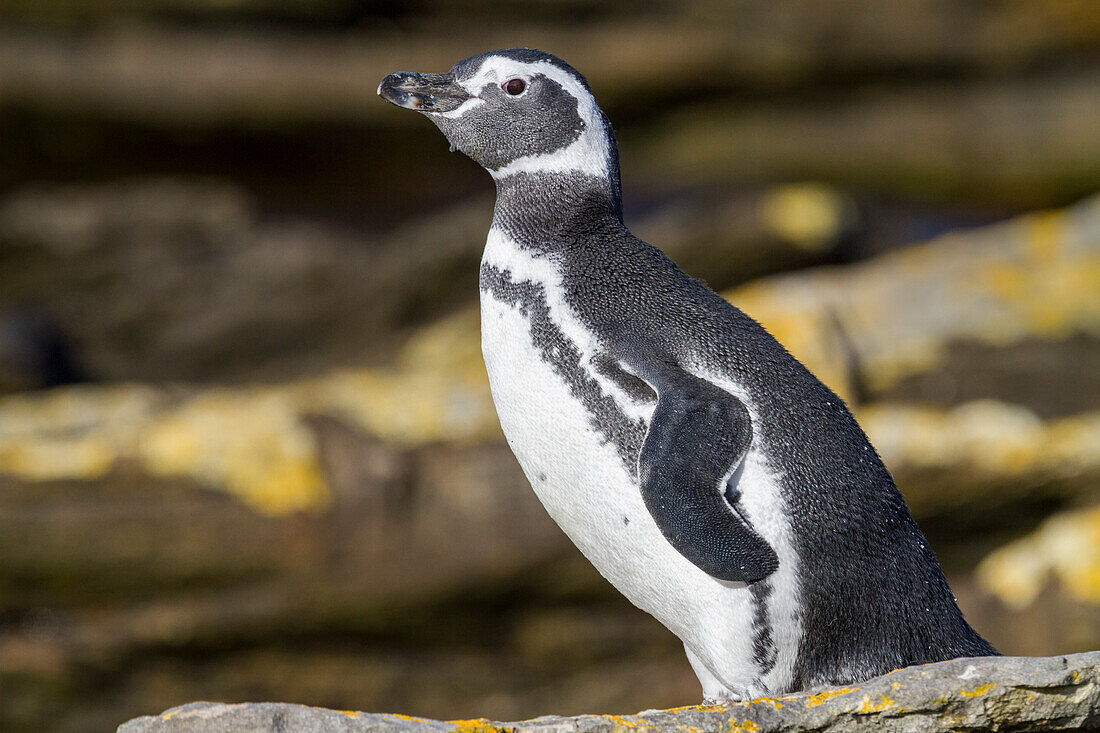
[{"x": 514, "y": 111}]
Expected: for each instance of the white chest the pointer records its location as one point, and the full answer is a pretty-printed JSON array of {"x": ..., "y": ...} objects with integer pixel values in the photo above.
[
  {"x": 577, "y": 473},
  {"x": 581, "y": 479}
]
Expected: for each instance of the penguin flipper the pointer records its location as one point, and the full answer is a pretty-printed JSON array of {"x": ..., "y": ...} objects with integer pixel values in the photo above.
[{"x": 697, "y": 433}]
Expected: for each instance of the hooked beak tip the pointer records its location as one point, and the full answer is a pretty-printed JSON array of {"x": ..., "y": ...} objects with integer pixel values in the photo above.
[{"x": 394, "y": 90}]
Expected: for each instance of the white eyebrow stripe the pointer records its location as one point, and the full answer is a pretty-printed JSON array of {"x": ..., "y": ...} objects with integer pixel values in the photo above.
[
  {"x": 588, "y": 154},
  {"x": 485, "y": 75}
]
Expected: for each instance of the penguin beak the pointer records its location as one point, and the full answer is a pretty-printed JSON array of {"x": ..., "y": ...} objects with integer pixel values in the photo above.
[{"x": 422, "y": 92}]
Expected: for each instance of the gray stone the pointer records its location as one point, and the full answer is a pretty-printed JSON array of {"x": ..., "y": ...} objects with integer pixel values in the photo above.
[{"x": 989, "y": 693}]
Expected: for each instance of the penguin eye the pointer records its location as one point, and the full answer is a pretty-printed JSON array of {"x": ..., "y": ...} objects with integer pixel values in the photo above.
[{"x": 514, "y": 87}]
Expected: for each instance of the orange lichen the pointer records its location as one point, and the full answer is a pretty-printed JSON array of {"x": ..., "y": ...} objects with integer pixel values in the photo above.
[
  {"x": 1066, "y": 546},
  {"x": 979, "y": 690},
  {"x": 820, "y": 697},
  {"x": 872, "y": 707},
  {"x": 747, "y": 726},
  {"x": 349, "y": 713},
  {"x": 479, "y": 725}
]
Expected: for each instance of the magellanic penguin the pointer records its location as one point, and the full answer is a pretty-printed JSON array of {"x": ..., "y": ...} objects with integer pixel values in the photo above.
[{"x": 699, "y": 466}]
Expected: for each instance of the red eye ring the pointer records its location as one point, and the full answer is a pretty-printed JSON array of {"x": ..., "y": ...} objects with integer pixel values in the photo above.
[{"x": 514, "y": 86}]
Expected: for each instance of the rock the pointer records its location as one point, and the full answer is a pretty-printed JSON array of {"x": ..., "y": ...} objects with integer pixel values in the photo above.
[
  {"x": 166, "y": 278},
  {"x": 988, "y": 693},
  {"x": 864, "y": 327},
  {"x": 1042, "y": 591},
  {"x": 1066, "y": 546},
  {"x": 34, "y": 354},
  {"x": 728, "y": 238},
  {"x": 262, "y": 444},
  {"x": 904, "y": 138},
  {"x": 364, "y": 503},
  {"x": 894, "y": 99},
  {"x": 158, "y": 279},
  {"x": 983, "y": 454},
  {"x": 147, "y": 70}
]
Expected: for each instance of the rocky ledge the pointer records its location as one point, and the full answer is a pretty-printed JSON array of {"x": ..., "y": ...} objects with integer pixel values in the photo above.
[{"x": 989, "y": 693}]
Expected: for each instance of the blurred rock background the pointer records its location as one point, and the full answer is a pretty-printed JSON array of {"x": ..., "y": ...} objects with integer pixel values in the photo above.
[{"x": 246, "y": 445}]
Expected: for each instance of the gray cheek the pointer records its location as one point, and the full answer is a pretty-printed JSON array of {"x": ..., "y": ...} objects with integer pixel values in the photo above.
[
  {"x": 501, "y": 131},
  {"x": 464, "y": 136}
]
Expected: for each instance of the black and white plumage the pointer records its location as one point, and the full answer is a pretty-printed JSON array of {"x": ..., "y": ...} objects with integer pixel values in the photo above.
[{"x": 698, "y": 465}]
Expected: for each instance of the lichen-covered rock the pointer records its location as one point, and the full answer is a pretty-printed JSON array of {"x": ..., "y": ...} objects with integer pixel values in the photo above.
[
  {"x": 989, "y": 693},
  {"x": 862, "y": 327},
  {"x": 865, "y": 326},
  {"x": 983, "y": 453},
  {"x": 1066, "y": 547},
  {"x": 257, "y": 443}
]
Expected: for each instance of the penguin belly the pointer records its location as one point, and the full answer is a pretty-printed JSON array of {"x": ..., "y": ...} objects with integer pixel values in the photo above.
[{"x": 587, "y": 489}]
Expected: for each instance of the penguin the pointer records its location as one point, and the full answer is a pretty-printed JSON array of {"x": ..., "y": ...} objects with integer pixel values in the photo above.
[{"x": 700, "y": 467}]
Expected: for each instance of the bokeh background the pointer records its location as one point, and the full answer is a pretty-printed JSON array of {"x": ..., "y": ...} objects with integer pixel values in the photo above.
[{"x": 246, "y": 446}]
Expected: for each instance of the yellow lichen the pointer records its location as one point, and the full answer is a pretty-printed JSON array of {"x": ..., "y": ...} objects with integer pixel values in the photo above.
[
  {"x": 1066, "y": 546},
  {"x": 978, "y": 691},
  {"x": 872, "y": 707},
  {"x": 1036, "y": 276},
  {"x": 252, "y": 442},
  {"x": 78, "y": 431},
  {"x": 349, "y": 713},
  {"x": 1046, "y": 234},
  {"x": 996, "y": 438},
  {"x": 479, "y": 725},
  {"x": 819, "y": 697},
  {"x": 747, "y": 726},
  {"x": 42, "y": 459},
  {"x": 1033, "y": 276},
  {"x": 809, "y": 215}
]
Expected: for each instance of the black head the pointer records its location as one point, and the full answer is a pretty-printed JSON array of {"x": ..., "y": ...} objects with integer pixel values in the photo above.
[{"x": 514, "y": 111}]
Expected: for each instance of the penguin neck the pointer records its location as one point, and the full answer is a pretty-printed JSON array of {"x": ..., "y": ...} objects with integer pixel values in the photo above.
[{"x": 544, "y": 211}]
